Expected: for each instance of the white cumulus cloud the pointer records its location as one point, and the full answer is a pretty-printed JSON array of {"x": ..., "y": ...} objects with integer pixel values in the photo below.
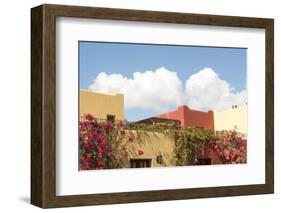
[
  {"x": 161, "y": 90},
  {"x": 154, "y": 90},
  {"x": 206, "y": 90}
]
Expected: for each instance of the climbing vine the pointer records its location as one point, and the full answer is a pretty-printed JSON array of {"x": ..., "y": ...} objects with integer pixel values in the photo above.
[
  {"x": 190, "y": 143},
  {"x": 105, "y": 145}
]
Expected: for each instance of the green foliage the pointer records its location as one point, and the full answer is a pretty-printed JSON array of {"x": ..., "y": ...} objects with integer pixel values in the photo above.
[
  {"x": 188, "y": 141},
  {"x": 103, "y": 145},
  {"x": 141, "y": 131},
  {"x": 106, "y": 145},
  {"x": 152, "y": 127}
]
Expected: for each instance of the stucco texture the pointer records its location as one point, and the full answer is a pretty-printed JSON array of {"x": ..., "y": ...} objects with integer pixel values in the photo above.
[
  {"x": 100, "y": 105},
  {"x": 228, "y": 120}
]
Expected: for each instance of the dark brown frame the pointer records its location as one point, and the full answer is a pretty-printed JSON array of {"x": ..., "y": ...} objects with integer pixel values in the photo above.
[{"x": 43, "y": 105}]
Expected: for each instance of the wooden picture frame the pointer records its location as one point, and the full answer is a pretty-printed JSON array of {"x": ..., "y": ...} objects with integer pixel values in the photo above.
[{"x": 43, "y": 105}]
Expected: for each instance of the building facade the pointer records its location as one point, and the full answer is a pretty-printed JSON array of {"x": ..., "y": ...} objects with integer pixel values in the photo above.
[
  {"x": 102, "y": 106},
  {"x": 191, "y": 118},
  {"x": 156, "y": 149},
  {"x": 233, "y": 118},
  {"x": 224, "y": 120}
]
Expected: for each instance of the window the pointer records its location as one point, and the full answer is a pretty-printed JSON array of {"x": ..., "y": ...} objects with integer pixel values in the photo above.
[
  {"x": 110, "y": 118},
  {"x": 204, "y": 161},
  {"x": 140, "y": 163}
]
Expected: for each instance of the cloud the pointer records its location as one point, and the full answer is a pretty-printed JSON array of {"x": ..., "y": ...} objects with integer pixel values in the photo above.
[
  {"x": 157, "y": 90},
  {"x": 206, "y": 90},
  {"x": 161, "y": 90}
]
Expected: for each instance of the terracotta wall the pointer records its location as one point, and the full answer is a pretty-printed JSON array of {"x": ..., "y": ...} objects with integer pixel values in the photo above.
[
  {"x": 215, "y": 157},
  {"x": 191, "y": 118}
]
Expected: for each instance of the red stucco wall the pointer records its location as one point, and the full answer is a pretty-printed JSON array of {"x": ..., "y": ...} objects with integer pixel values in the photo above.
[
  {"x": 191, "y": 118},
  {"x": 215, "y": 157}
]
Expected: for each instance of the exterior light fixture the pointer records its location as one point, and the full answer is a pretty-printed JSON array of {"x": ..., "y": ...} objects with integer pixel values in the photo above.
[
  {"x": 195, "y": 160},
  {"x": 159, "y": 158}
]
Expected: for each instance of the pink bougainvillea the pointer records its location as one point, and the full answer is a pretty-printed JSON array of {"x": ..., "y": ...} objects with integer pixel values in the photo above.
[
  {"x": 89, "y": 117},
  {"x": 100, "y": 144},
  {"x": 231, "y": 147}
]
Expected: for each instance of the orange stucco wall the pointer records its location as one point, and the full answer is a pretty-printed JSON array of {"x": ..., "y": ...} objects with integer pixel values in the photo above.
[{"x": 191, "y": 118}]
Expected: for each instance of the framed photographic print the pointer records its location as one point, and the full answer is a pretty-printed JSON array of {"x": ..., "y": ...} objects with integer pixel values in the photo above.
[{"x": 136, "y": 106}]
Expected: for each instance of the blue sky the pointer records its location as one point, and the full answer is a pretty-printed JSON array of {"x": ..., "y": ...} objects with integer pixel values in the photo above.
[{"x": 121, "y": 58}]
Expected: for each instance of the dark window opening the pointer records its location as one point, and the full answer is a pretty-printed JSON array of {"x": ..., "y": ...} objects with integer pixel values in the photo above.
[
  {"x": 110, "y": 118},
  {"x": 140, "y": 163},
  {"x": 204, "y": 161}
]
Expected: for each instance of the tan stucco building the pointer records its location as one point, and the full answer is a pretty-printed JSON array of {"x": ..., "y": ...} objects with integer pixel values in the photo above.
[
  {"x": 147, "y": 152},
  {"x": 153, "y": 146},
  {"x": 232, "y": 118},
  {"x": 156, "y": 144},
  {"x": 102, "y": 106}
]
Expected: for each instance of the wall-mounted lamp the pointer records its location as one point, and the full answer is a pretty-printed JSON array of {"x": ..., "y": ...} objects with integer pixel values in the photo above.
[
  {"x": 195, "y": 160},
  {"x": 159, "y": 158}
]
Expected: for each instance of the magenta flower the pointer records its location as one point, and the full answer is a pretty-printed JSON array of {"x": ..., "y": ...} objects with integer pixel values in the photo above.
[
  {"x": 238, "y": 160},
  {"x": 109, "y": 151},
  {"x": 97, "y": 140},
  {"x": 88, "y": 138},
  {"x": 88, "y": 146},
  {"x": 140, "y": 152},
  {"x": 89, "y": 117},
  {"x": 82, "y": 125},
  {"x": 226, "y": 153},
  {"x": 94, "y": 134},
  {"x": 86, "y": 167},
  {"x": 101, "y": 141},
  {"x": 238, "y": 152},
  {"x": 225, "y": 143},
  {"x": 88, "y": 124},
  {"x": 100, "y": 163},
  {"x": 87, "y": 159},
  {"x": 108, "y": 125}
]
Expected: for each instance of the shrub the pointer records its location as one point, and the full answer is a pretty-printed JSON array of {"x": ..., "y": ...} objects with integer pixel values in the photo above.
[
  {"x": 191, "y": 143},
  {"x": 231, "y": 147},
  {"x": 102, "y": 144}
]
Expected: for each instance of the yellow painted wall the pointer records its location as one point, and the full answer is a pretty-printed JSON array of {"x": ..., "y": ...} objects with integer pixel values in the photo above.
[
  {"x": 101, "y": 105},
  {"x": 151, "y": 144},
  {"x": 227, "y": 120}
]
